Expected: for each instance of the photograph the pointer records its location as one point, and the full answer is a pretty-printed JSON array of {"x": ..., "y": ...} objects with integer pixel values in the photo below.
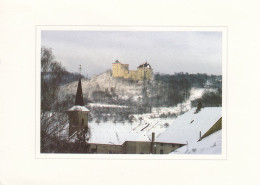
[
  {"x": 127, "y": 93},
  {"x": 131, "y": 92}
]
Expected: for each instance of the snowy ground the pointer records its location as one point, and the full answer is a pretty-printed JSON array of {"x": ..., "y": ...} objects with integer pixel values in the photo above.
[
  {"x": 111, "y": 133},
  {"x": 105, "y": 105},
  {"x": 209, "y": 145}
]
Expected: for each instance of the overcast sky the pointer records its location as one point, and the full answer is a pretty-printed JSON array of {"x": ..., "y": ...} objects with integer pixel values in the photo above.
[{"x": 167, "y": 51}]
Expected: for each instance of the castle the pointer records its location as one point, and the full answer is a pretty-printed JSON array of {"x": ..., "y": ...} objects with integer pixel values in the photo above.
[{"x": 144, "y": 71}]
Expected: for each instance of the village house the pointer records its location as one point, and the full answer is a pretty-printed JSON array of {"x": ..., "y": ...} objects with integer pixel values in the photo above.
[
  {"x": 134, "y": 147},
  {"x": 98, "y": 148}
]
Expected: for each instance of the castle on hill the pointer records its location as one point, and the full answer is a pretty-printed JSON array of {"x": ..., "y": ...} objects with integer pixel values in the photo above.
[{"x": 144, "y": 71}]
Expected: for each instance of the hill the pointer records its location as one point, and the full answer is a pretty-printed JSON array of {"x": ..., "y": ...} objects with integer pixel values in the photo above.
[{"x": 162, "y": 90}]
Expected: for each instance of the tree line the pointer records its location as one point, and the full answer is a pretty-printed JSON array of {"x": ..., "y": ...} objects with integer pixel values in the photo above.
[{"x": 54, "y": 120}]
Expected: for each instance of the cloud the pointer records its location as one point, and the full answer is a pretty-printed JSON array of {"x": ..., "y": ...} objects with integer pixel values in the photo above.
[{"x": 167, "y": 51}]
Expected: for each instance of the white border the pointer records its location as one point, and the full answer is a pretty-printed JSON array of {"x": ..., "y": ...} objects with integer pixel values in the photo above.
[{"x": 222, "y": 29}]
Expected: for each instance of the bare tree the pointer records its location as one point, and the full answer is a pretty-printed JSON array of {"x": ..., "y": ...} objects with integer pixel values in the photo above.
[
  {"x": 53, "y": 129},
  {"x": 53, "y": 118},
  {"x": 51, "y": 76}
]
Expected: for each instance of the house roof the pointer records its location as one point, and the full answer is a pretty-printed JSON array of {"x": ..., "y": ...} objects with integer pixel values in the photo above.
[
  {"x": 211, "y": 144},
  {"x": 187, "y": 127}
]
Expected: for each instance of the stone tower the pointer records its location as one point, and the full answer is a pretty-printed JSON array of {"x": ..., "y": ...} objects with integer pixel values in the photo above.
[{"x": 78, "y": 114}]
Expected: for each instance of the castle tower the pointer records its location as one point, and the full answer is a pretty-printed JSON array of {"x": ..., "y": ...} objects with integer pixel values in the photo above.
[
  {"x": 144, "y": 71},
  {"x": 78, "y": 114}
]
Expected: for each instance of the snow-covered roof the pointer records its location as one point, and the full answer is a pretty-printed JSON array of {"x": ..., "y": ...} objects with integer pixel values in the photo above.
[
  {"x": 145, "y": 65},
  {"x": 187, "y": 127},
  {"x": 209, "y": 145},
  {"x": 78, "y": 108},
  {"x": 110, "y": 133}
]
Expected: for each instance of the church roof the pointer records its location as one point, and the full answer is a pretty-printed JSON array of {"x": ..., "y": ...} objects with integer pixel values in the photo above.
[
  {"x": 145, "y": 65},
  {"x": 79, "y": 108},
  {"x": 79, "y": 96}
]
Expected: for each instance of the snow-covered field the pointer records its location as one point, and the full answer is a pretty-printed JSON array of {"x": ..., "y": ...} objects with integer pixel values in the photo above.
[{"x": 143, "y": 126}]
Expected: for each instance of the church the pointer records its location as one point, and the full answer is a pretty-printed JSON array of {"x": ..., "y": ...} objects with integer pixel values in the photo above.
[{"x": 78, "y": 114}]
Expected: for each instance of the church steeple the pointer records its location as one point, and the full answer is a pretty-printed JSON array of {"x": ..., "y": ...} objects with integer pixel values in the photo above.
[
  {"x": 79, "y": 96},
  {"x": 78, "y": 114}
]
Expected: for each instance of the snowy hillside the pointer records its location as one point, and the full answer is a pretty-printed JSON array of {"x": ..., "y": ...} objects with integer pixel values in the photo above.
[
  {"x": 103, "y": 82},
  {"x": 104, "y": 88}
]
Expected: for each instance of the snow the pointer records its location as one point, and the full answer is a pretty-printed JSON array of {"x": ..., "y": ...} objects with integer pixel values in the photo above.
[
  {"x": 118, "y": 133},
  {"x": 106, "y": 105},
  {"x": 180, "y": 130},
  {"x": 111, "y": 133},
  {"x": 187, "y": 127},
  {"x": 209, "y": 145},
  {"x": 195, "y": 93},
  {"x": 79, "y": 108}
]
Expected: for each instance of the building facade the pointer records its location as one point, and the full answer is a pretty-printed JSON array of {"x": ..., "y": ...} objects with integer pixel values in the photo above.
[
  {"x": 144, "y": 71},
  {"x": 98, "y": 148}
]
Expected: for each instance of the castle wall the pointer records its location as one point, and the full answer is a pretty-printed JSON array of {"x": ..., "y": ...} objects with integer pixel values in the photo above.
[
  {"x": 122, "y": 71},
  {"x": 144, "y": 72}
]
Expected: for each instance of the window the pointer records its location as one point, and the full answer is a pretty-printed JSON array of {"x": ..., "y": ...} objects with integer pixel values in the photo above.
[
  {"x": 161, "y": 151},
  {"x": 161, "y": 144}
]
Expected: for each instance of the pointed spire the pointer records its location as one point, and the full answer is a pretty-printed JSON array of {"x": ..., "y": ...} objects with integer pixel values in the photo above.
[{"x": 79, "y": 95}]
